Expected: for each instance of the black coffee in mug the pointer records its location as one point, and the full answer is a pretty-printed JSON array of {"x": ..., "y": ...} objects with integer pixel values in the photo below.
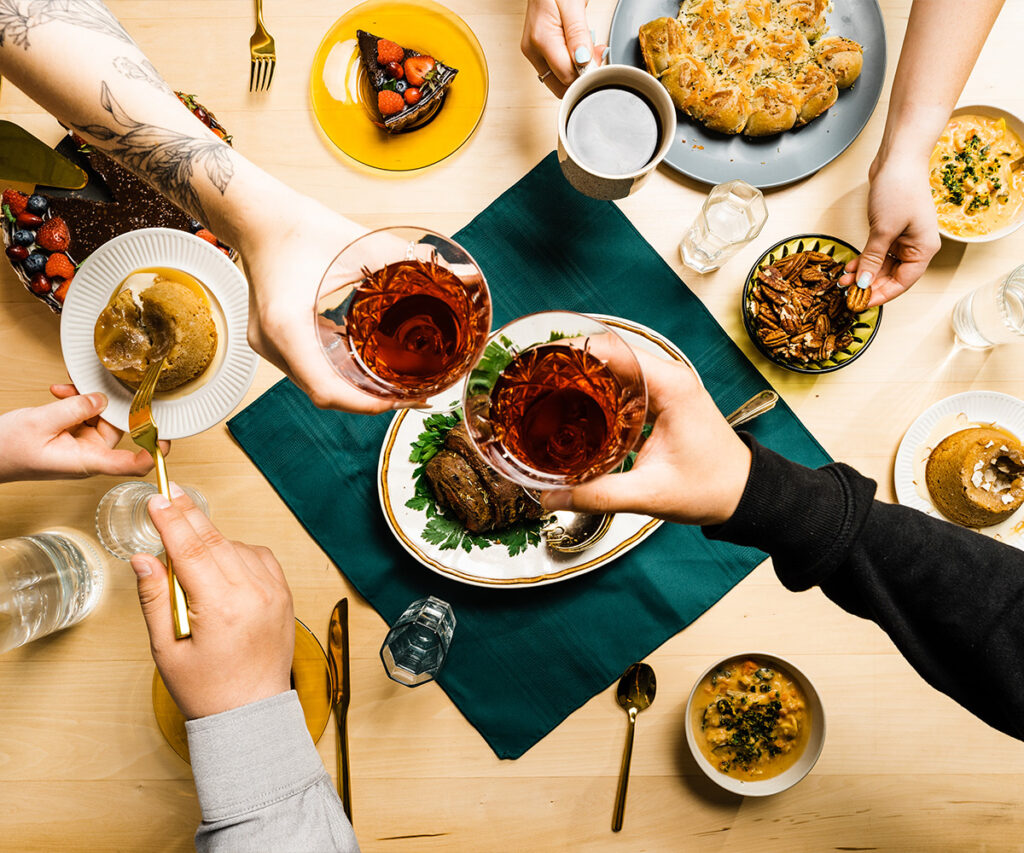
[{"x": 613, "y": 130}]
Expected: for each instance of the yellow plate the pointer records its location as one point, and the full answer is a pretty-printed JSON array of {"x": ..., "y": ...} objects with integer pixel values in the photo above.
[
  {"x": 311, "y": 678},
  {"x": 339, "y": 86}
]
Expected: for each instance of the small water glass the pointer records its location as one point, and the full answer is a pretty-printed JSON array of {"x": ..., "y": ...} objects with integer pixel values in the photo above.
[
  {"x": 48, "y": 581},
  {"x": 416, "y": 646},
  {"x": 732, "y": 215},
  {"x": 123, "y": 523},
  {"x": 993, "y": 313}
]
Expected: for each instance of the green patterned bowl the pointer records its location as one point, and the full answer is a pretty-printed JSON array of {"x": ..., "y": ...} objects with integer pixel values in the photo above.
[{"x": 864, "y": 328}]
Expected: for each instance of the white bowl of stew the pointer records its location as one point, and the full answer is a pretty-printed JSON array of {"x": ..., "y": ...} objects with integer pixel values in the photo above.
[
  {"x": 1000, "y": 208},
  {"x": 754, "y": 724}
]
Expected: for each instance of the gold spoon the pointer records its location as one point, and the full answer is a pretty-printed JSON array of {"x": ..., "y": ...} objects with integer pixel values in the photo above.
[
  {"x": 569, "y": 532},
  {"x": 634, "y": 694}
]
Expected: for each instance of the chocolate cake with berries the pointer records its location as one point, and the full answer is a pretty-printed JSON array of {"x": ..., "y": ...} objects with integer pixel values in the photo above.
[
  {"x": 48, "y": 234},
  {"x": 410, "y": 86}
]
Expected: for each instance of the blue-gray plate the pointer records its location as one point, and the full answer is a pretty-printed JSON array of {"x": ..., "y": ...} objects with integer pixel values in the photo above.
[{"x": 771, "y": 161}]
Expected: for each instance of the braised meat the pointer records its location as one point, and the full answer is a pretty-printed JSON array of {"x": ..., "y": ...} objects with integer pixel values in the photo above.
[{"x": 474, "y": 492}]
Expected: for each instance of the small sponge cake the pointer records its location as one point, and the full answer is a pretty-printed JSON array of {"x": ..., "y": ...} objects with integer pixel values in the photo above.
[
  {"x": 166, "y": 317},
  {"x": 975, "y": 477}
]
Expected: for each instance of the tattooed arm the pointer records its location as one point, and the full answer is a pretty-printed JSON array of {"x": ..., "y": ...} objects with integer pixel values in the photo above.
[{"x": 75, "y": 59}]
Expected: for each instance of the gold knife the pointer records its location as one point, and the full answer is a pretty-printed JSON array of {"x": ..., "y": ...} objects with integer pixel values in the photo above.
[
  {"x": 25, "y": 159},
  {"x": 337, "y": 661}
]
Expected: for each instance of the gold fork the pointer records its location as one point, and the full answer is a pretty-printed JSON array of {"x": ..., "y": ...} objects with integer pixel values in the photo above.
[
  {"x": 144, "y": 434},
  {"x": 263, "y": 58}
]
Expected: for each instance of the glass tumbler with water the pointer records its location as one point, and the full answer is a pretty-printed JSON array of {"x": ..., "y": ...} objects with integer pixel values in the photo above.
[
  {"x": 733, "y": 214},
  {"x": 415, "y": 648},
  {"x": 48, "y": 581},
  {"x": 992, "y": 314},
  {"x": 123, "y": 523}
]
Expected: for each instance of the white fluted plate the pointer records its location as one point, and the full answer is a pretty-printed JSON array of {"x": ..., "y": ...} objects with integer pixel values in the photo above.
[
  {"x": 945, "y": 417},
  {"x": 197, "y": 405}
]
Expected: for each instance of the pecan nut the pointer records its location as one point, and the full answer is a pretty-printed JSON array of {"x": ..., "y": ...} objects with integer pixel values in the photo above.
[
  {"x": 798, "y": 310},
  {"x": 857, "y": 299}
]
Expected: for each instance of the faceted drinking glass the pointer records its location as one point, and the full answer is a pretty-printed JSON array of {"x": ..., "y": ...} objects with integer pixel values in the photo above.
[
  {"x": 732, "y": 215},
  {"x": 415, "y": 648},
  {"x": 123, "y": 523},
  {"x": 557, "y": 399},
  {"x": 403, "y": 313}
]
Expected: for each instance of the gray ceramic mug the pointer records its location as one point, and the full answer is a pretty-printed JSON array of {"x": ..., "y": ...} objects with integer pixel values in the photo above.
[{"x": 607, "y": 186}]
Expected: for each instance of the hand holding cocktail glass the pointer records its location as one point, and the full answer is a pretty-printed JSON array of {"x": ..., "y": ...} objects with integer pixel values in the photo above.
[
  {"x": 402, "y": 314},
  {"x": 692, "y": 469},
  {"x": 558, "y": 399}
]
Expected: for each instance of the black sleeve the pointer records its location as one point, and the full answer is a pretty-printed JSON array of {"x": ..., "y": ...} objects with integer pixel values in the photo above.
[{"x": 951, "y": 599}]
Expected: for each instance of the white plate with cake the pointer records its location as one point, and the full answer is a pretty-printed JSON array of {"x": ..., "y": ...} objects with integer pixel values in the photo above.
[
  {"x": 184, "y": 292},
  {"x": 512, "y": 557},
  {"x": 962, "y": 460}
]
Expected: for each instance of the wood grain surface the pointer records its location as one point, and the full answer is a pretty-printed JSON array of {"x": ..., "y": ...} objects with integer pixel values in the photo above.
[{"x": 82, "y": 764}]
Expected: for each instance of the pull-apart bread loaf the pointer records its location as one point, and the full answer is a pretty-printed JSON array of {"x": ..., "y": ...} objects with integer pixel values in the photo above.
[{"x": 756, "y": 67}]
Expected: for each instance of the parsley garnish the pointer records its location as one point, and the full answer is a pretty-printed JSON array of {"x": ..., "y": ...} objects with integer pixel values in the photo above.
[{"x": 441, "y": 529}]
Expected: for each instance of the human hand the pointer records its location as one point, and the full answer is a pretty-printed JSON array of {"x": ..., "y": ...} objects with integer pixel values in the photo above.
[
  {"x": 285, "y": 263},
  {"x": 239, "y": 609},
  {"x": 904, "y": 232},
  {"x": 691, "y": 470},
  {"x": 65, "y": 440},
  {"x": 556, "y": 38}
]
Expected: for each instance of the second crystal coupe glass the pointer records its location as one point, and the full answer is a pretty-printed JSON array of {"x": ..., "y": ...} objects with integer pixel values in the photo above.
[
  {"x": 557, "y": 399},
  {"x": 403, "y": 313}
]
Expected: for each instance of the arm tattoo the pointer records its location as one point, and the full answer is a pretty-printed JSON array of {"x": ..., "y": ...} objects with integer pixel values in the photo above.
[
  {"x": 164, "y": 157},
  {"x": 142, "y": 71},
  {"x": 17, "y": 17}
]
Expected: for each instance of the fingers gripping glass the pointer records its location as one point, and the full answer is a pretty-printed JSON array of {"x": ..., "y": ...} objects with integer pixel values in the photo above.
[
  {"x": 403, "y": 313},
  {"x": 557, "y": 399}
]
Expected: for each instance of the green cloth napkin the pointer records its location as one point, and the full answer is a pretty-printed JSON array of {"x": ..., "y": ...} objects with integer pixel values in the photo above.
[{"x": 522, "y": 660}]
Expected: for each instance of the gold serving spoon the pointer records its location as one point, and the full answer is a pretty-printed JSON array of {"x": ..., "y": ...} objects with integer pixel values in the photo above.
[
  {"x": 634, "y": 694},
  {"x": 569, "y": 532}
]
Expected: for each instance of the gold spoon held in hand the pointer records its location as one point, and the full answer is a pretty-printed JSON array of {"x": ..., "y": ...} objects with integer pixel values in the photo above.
[{"x": 634, "y": 694}]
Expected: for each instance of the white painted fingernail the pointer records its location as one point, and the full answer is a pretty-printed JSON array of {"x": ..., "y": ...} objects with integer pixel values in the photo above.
[
  {"x": 864, "y": 280},
  {"x": 582, "y": 55},
  {"x": 593, "y": 35}
]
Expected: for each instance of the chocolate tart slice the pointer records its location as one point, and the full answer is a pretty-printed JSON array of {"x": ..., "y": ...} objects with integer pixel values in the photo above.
[{"x": 433, "y": 90}]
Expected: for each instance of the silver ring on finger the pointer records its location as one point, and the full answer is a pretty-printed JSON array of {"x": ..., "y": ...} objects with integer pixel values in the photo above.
[{"x": 544, "y": 76}]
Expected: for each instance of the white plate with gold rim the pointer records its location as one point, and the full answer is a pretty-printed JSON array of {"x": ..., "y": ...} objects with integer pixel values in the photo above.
[
  {"x": 493, "y": 567},
  {"x": 206, "y": 400},
  {"x": 960, "y": 411}
]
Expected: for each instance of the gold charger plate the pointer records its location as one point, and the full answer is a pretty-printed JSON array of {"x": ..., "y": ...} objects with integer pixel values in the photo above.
[
  {"x": 310, "y": 677},
  {"x": 339, "y": 86}
]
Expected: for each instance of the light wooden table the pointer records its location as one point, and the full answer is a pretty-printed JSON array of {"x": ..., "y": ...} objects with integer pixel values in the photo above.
[{"x": 82, "y": 764}]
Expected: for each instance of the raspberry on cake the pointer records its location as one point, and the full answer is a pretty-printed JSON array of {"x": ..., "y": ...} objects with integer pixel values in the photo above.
[{"x": 427, "y": 79}]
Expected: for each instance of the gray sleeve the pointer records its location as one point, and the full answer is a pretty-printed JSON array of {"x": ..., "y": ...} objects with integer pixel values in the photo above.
[{"x": 261, "y": 784}]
